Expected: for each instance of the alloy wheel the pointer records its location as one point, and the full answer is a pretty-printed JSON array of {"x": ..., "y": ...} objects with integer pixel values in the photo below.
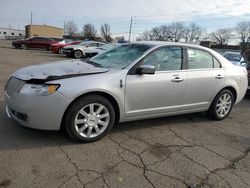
[
  {"x": 60, "y": 51},
  {"x": 78, "y": 54},
  {"x": 92, "y": 120},
  {"x": 224, "y": 105}
]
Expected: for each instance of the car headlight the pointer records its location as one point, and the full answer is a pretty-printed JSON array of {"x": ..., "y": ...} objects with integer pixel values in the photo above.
[{"x": 39, "y": 89}]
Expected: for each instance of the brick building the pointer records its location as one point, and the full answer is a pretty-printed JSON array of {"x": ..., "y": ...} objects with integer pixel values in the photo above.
[{"x": 43, "y": 30}]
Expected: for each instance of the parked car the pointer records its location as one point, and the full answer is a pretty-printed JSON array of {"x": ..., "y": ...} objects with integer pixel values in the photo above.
[
  {"x": 92, "y": 51},
  {"x": 35, "y": 42},
  {"x": 58, "y": 47},
  {"x": 233, "y": 57},
  {"x": 248, "y": 70},
  {"x": 78, "y": 50},
  {"x": 130, "y": 82}
]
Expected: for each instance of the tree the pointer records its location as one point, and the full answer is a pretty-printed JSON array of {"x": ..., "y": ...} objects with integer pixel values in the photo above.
[
  {"x": 160, "y": 33},
  {"x": 242, "y": 30},
  {"x": 105, "y": 32},
  {"x": 70, "y": 28},
  {"x": 120, "y": 39},
  {"x": 177, "y": 30},
  {"x": 174, "y": 32},
  {"x": 193, "y": 33},
  {"x": 221, "y": 36},
  {"x": 89, "y": 31}
]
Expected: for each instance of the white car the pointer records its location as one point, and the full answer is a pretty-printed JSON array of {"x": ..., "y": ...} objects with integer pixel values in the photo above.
[
  {"x": 78, "y": 50},
  {"x": 92, "y": 51}
]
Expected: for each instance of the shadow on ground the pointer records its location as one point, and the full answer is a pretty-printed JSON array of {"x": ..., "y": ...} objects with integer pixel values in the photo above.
[{"x": 13, "y": 136}]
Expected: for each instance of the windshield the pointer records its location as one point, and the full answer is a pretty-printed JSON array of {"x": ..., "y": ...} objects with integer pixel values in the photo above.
[
  {"x": 232, "y": 56},
  {"x": 120, "y": 56}
]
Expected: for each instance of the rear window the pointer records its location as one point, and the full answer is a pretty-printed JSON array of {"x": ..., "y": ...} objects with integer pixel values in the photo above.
[{"x": 199, "y": 59}]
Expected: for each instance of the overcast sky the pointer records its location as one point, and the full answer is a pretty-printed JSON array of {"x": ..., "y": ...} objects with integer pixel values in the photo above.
[{"x": 210, "y": 14}]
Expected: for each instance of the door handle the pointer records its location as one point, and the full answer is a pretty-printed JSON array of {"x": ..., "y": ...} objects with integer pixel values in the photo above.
[
  {"x": 219, "y": 76},
  {"x": 177, "y": 79}
]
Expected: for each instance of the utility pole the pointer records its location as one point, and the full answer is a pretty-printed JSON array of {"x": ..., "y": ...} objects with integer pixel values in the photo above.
[
  {"x": 130, "y": 28},
  {"x": 64, "y": 27},
  {"x": 31, "y": 17}
]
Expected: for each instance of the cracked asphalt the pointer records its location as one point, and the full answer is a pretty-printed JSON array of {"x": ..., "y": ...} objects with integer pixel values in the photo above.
[{"x": 181, "y": 151}]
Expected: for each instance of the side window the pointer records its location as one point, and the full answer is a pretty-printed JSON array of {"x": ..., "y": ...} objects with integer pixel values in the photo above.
[
  {"x": 165, "y": 59},
  {"x": 198, "y": 59},
  {"x": 93, "y": 45},
  {"x": 100, "y": 44},
  {"x": 45, "y": 39}
]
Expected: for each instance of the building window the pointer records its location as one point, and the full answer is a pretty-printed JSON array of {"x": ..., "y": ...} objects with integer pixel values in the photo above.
[
  {"x": 20, "y": 34},
  {"x": 4, "y": 33},
  {"x": 12, "y": 33}
]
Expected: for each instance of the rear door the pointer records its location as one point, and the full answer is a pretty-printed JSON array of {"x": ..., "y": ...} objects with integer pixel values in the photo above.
[{"x": 205, "y": 78}]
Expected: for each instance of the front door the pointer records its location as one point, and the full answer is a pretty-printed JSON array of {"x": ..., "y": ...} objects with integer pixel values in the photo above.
[{"x": 160, "y": 93}]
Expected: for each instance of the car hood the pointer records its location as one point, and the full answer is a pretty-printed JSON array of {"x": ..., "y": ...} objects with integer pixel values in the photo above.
[
  {"x": 19, "y": 40},
  {"x": 57, "y": 70}
]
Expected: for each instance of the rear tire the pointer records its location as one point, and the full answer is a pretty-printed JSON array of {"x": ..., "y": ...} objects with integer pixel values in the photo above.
[
  {"x": 90, "y": 118},
  {"x": 221, "y": 105}
]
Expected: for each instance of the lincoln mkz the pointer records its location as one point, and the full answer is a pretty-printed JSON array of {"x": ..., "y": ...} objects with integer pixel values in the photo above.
[{"x": 130, "y": 82}]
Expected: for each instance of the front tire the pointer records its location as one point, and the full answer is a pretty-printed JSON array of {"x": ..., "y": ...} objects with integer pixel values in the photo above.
[
  {"x": 24, "y": 46},
  {"x": 90, "y": 118},
  {"x": 60, "y": 51},
  {"x": 78, "y": 54},
  {"x": 221, "y": 105}
]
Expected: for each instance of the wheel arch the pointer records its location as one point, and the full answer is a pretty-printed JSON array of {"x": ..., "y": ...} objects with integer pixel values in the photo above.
[
  {"x": 101, "y": 93},
  {"x": 232, "y": 89}
]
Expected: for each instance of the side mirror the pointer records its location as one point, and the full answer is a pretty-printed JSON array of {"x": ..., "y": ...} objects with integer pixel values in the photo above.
[{"x": 146, "y": 69}]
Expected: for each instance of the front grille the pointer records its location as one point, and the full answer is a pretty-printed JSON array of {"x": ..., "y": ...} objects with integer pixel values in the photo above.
[{"x": 13, "y": 86}]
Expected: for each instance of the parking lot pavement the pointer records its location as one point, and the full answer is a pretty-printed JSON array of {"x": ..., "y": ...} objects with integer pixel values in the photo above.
[{"x": 179, "y": 151}]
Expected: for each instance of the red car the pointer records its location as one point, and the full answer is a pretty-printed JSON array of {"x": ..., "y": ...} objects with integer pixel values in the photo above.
[
  {"x": 35, "y": 42},
  {"x": 57, "y": 48}
]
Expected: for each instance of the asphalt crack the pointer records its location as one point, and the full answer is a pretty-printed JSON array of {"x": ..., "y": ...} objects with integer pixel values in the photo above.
[
  {"x": 75, "y": 166},
  {"x": 231, "y": 165},
  {"x": 144, "y": 166}
]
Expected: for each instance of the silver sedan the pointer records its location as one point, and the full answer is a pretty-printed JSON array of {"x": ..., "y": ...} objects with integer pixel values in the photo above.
[{"x": 130, "y": 82}]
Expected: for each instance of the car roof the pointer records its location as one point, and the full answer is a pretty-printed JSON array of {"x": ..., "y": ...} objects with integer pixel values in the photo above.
[
  {"x": 180, "y": 44},
  {"x": 163, "y": 43}
]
